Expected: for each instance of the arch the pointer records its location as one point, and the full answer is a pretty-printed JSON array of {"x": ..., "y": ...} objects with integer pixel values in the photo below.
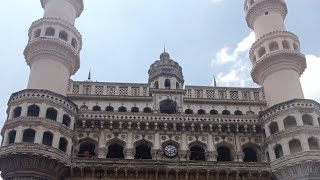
[
  {"x": 274, "y": 46},
  {"x": 12, "y": 136},
  {"x": 238, "y": 112},
  {"x": 262, "y": 52},
  {"x": 87, "y": 149},
  {"x": 197, "y": 153},
  {"x": 201, "y": 111},
  {"x": 84, "y": 107},
  {"x": 250, "y": 113},
  {"x": 115, "y": 151},
  {"x": 167, "y": 84},
  {"x": 177, "y": 85},
  {"x": 226, "y": 112},
  {"x": 168, "y": 106},
  {"x": 313, "y": 144},
  {"x": 295, "y": 146},
  {"x": 96, "y": 108},
  {"x": 50, "y": 31},
  {"x": 47, "y": 138},
  {"x": 307, "y": 120},
  {"x": 74, "y": 43},
  {"x": 224, "y": 154},
  {"x": 66, "y": 120},
  {"x": 147, "y": 110},
  {"x": 63, "y": 143},
  {"x": 122, "y": 109},
  {"x": 250, "y": 154},
  {"x": 285, "y": 44},
  {"x": 33, "y": 111},
  {"x": 51, "y": 114},
  {"x": 278, "y": 151},
  {"x": 109, "y": 109},
  {"x": 37, "y": 33},
  {"x": 188, "y": 111},
  {"x": 295, "y": 47},
  {"x": 17, "y": 112},
  {"x": 156, "y": 85},
  {"x": 63, "y": 35},
  {"x": 28, "y": 136},
  {"x": 213, "y": 111},
  {"x": 290, "y": 122},
  {"x": 273, "y": 128},
  {"x": 143, "y": 151},
  {"x": 135, "y": 109}
]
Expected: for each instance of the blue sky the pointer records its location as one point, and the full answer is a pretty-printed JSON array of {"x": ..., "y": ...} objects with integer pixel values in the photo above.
[{"x": 122, "y": 38}]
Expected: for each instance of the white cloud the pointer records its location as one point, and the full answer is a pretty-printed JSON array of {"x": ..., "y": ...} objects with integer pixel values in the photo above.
[
  {"x": 234, "y": 63},
  {"x": 310, "y": 78}
]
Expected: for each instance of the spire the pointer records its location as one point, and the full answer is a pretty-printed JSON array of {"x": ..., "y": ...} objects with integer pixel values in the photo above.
[
  {"x": 89, "y": 75},
  {"x": 214, "y": 80},
  {"x": 164, "y": 47}
]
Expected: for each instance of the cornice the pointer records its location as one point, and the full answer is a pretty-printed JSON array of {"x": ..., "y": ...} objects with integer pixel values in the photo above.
[
  {"x": 295, "y": 159},
  {"x": 261, "y": 6},
  {"x": 277, "y": 61}
]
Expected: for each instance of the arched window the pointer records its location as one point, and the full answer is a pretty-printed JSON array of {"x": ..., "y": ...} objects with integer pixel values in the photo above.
[
  {"x": 273, "y": 46},
  {"x": 295, "y": 146},
  {"x": 115, "y": 151},
  {"x": 250, "y": 155},
  {"x": 143, "y": 152},
  {"x": 188, "y": 111},
  {"x": 201, "y": 111},
  {"x": 37, "y": 33},
  {"x": 238, "y": 112},
  {"x": 47, "y": 138},
  {"x": 278, "y": 151},
  {"x": 122, "y": 109},
  {"x": 28, "y": 136},
  {"x": 96, "y": 108},
  {"x": 147, "y": 110},
  {"x": 295, "y": 47},
  {"x": 313, "y": 144},
  {"x": 52, "y": 114},
  {"x": 134, "y": 109},
  {"x": 273, "y": 127},
  {"x": 213, "y": 111},
  {"x": 50, "y": 31},
  {"x": 167, "y": 83},
  {"x": 285, "y": 44},
  {"x": 156, "y": 85},
  {"x": 33, "y": 111},
  {"x": 197, "y": 153},
  {"x": 87, "y": 150},
  {"x": 74, "y": 42},
  {"x": 250, "y": 113},
  {"x": 84, "y": 107},
  {"x": 12, "y": 136},
  {"x": 307, "y": 120},
  {"x": 17, "y": 112},
  {"x": 177, "y": 85},
  {"x": 289, "y": 122},
  {"x": 168, "y": 106},
  {"x": 224, "y": 154},
  {"x": 63, "y": 143},
  {"x": 63, "y": 35},
  {"x": 66, "y": 120},
  {"x": 262, "y": 52},
  {"x": 226, "y": 112},
  {"x": 109, "y": 109}
]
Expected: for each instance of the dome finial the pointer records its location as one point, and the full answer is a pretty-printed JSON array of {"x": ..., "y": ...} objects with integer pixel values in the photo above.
[{"x": 164, "y": 55}]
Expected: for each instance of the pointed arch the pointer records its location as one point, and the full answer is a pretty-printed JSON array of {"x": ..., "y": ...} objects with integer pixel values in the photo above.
[
  {"x": 295, "y": 146},
  {"x": 28, "y": 135},
  {"x": 47, "y": 138},
  {"x": 307, "y": 120},
  {"x": 52, "y": 114},
  {"x": 226, "y": 112},
  {"x": 37, "y": 33},
  {"x": 135, "y": 109},
  {"x": 109, "y": 109},
  {"x": 274, "y": 46},
  {"x": 167, "y": 83},
  {"x": 50, "y": 31},
  {"x": 313, "y": 144},
  {"x": 285, "y": 44},
  {"x": 87, "y": 148},
  {"x": 290, "y": 122},
  {"x": 143, "y": 149},
  {"x": 63, "y": 144},
  {"x": 12, "y": 136},
  {"x": 278, "y": 151},
  {"x": 33, "y": 111},
  {"x": 96, "y": 108},
  {"x": 66, "y": 120},
  {"x": 147, "y": 110},
  {"x": 188, "y": 111},
  {"x": 213, "y": 111},
  {"x": 251, "y": 152},
  {"x": 84, "y": 107},
  {"x": 238, "y": 112},
  {"x": 261, "y": 52},
  {"x": 17, "y": 112},
  {"x": 201, "y": 111},
  {"x": 122, "y": 109},
  {"x": 225, "y": 151},
  {"x": 273, "y": 128},
  {"x": 63, "y": 35}
]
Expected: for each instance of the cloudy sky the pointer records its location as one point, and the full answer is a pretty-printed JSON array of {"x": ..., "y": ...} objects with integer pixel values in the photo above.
[{"x": 122, "y": 38}]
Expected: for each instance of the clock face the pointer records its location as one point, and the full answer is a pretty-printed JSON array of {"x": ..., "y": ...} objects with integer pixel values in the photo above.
[{"x": 170, "y": 151}]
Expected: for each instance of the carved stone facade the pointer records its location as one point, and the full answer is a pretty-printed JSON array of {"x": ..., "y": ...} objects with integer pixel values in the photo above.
[{"x": 83, "y": 130}]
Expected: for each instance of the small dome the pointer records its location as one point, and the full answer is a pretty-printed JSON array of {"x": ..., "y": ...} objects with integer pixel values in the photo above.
[{"x": 164, "y": 55}]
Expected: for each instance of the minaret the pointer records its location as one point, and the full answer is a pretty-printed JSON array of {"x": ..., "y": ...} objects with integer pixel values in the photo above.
[
  {"x": 54, "y": 46},
  {"x": 38, "y": 135},
  {"x": 275, "y": 56}
]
